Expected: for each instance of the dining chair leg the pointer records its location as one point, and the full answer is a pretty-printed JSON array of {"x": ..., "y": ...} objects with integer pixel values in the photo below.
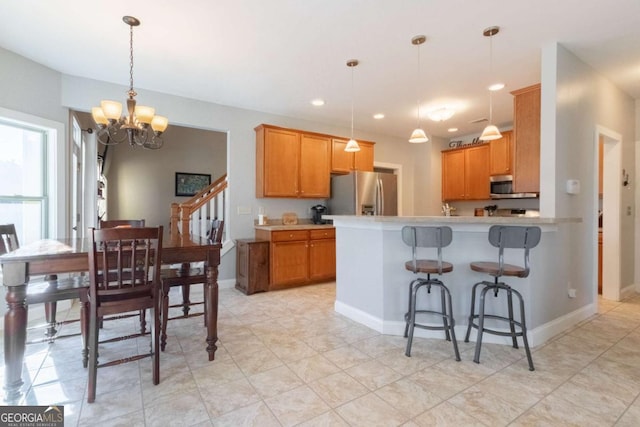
[
  {"x": 186, "y": 291},
  {"x": 50, "y": 309},
  {"x": 164, "y": 315},
  {"x": 155, "y": 344},
  {"x": 93, "y": 359},
  {"x": 84, "y": 330}
]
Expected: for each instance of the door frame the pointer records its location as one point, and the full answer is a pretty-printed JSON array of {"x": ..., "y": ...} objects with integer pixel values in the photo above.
[{"x": 611, "y": 208}]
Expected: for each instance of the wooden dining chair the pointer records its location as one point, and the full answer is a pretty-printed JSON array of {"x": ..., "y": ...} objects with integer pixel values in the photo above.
[
  {"x": 185, "y": 277},
  {"x": 124, "y": 276},
  {"x": 123, "y": 223},
  {"x": 48, "y": 290}
]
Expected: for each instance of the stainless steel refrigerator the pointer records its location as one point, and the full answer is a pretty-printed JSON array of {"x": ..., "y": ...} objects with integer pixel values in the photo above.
[{"x": 364, "y": 193}]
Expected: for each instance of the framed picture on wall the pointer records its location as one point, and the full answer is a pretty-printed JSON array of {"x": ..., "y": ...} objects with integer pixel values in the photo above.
[{"x": 189, "y": 184}]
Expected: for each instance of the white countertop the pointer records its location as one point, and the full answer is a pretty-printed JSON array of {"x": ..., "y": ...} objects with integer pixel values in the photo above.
[
  {"x": 277, "y": 227},
  {"x": 453, "y": 219}
]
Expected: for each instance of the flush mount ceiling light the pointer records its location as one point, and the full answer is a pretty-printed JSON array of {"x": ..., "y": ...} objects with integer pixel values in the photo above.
[
  {"x": 352, "y": 145},
  {"x": 496, "y": 87},
  {"x": 140, "y": 126},
  {"x": 378, "y": 116},
  {"x": 317, "y": 102},
  {"x": 418, "y": 135},
  {"x": 441, "y": 114},
  {"x": 491, "y": 132},
  {"x": 452, "y": 130}
]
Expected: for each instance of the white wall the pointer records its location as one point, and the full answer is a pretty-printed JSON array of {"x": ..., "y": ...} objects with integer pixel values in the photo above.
[{"x": 575, "y": 101}]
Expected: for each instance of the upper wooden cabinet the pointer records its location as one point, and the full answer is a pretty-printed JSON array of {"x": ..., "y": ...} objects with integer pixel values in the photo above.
[
  {"x": 343, "y": 162},
  {"x": 291, "y": 163},
  {"x": 501, "y": 155},
  {"x": 526, "y": 135},
  {"x": 465, "y": 173}
]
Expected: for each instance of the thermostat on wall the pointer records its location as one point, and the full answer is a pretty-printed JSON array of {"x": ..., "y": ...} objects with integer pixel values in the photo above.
[{"x": 573, "y": 186}]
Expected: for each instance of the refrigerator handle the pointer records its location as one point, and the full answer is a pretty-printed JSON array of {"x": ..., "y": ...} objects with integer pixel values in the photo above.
[{"x": 380, "y": 198}]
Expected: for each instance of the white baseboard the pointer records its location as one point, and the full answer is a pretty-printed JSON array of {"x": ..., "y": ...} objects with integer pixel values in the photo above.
[{"x": 536, "y": 336}]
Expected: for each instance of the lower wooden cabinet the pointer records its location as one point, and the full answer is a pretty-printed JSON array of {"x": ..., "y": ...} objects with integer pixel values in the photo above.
[
  {"x": 252, "y": 265},
  {"x": 300, "y": 256}
]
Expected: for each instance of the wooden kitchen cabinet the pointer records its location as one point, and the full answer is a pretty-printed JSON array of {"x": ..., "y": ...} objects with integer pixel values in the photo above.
[
  {"x": 526, "y": 135},
  {"x": 315, "y": 163},
  {"x": 300, "y": 256},
  {"x": 343, "y": 162},
  {"x": 252, "y": 265},
  {"x": 322, "y": 254},
  {"x": 501, "y": 155},
  {"x": 291, "y": 163},
  {"x": 465, "y": 173}
]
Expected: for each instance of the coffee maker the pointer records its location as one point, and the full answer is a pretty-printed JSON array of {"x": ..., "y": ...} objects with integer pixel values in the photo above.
[{"x": 317, "y": 212}]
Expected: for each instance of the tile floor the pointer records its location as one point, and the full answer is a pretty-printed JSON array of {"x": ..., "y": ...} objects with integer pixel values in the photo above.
[{"x": 286, "y": 358}]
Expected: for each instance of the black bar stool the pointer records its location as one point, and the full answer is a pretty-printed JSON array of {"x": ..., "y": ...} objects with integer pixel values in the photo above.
[
  {"x": 428, "y": 237},
  {"x": 511, "y": 237}
]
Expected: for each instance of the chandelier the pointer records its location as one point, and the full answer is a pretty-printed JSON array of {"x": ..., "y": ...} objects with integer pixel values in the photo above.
[{"x": 140, "y": 126}]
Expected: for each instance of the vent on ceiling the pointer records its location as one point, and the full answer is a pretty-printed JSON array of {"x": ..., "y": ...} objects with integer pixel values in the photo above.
[{"x": 483, "y": 119}]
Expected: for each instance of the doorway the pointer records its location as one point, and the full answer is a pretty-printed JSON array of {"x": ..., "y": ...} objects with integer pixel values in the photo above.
[{"x": 610, "y": 163}]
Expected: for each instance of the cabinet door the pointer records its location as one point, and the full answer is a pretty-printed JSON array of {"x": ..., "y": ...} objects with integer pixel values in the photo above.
[
  {"x": 322, "y": 259},
  {"x": 363, "y": 159},
  {"x": 526, "y": 133},
  {"x": 281, "y": 154},
  {"x": 477, "y": 185},
  {"x": 289, "y": 263},
  {"x": 453, "y": 175},
  {"x": 501, "y": 159},
  {"x": 315, "y": 165},
  {"x": 341, "y": 161}
]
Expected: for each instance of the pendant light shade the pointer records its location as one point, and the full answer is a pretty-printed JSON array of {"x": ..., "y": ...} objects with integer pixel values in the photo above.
[
  {"x": 352, "y": 145},
  {"x": 418, "y": 135},
  {"x": 491, "y": 132}
]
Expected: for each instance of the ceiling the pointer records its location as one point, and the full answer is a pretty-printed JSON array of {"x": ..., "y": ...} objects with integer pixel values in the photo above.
[{"x": 276, "y": 56}]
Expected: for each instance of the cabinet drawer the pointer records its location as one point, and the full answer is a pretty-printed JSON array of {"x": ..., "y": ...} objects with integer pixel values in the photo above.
[
  {"x": 323, "y": 233},
  {"x": 288, "y": 236}
]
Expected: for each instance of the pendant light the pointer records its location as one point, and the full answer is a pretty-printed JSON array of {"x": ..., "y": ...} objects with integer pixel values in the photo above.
[
  {"x": 418, "y": 135},
  {"x": 352, "y": 145},
  {"x": 491, "y": 132}
]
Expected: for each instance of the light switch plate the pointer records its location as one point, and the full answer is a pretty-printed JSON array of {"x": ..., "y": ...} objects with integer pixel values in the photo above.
[{"x": 244, "y": 210}]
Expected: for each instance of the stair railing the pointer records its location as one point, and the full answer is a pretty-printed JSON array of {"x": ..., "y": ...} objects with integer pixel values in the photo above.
[{"x": 195, "y": 215}]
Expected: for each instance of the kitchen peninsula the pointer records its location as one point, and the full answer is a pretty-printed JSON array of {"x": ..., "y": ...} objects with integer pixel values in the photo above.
[{"x": 372, "y": 283}]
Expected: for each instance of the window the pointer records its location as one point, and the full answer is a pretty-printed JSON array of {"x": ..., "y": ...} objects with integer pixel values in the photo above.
[{"x": 23, "y": 187}]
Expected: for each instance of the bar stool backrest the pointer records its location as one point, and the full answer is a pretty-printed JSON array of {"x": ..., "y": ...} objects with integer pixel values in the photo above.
[
  {"x": 8, "y": 238},
  {"x": 514, "y": 237},
  {"x": 427, "y": 237}
]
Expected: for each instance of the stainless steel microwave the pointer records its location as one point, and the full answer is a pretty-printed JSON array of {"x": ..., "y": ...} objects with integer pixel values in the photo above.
[{"x": 501, "y": 187}]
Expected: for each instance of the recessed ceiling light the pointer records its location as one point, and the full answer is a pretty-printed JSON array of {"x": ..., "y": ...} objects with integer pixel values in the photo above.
[
  {"x": 452, "y": 129},
  {"x": 317, "y": 102},
  {"x": 378, "y": 116},
  {"x": 496, "y": 86}
]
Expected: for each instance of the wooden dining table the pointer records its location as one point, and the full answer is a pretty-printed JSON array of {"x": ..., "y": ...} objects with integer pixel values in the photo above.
[{"x": 55, "y": 256}]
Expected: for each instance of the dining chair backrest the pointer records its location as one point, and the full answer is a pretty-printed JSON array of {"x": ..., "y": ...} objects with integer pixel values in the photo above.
[
  {"x": 129, "y": 259},
  {"x": 8, "y": 238},
  {"x": 217, "y": 228},
  {"x": 112, "y": 223}
]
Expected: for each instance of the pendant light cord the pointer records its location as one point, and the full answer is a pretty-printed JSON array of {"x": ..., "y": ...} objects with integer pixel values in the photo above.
[
  {"x": 352, "y": 96},
  {"x": 419, "y": 63},
  {"x": 490, "y": 75}
]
